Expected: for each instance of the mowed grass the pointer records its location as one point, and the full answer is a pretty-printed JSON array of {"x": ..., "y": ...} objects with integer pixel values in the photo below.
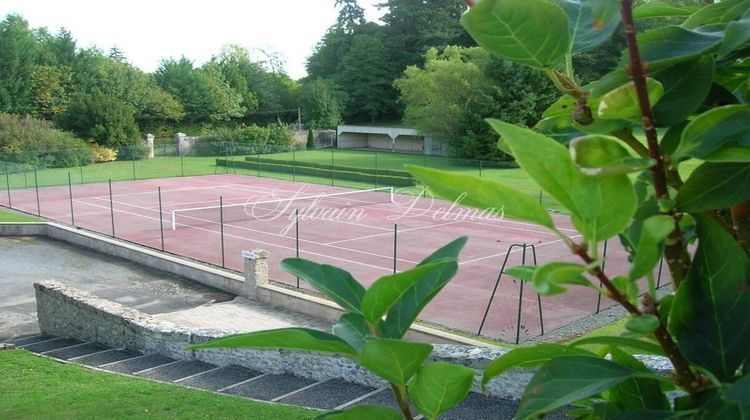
[
  {"x": 34, "y": 387},
  {"x": 11, "y": 216}
]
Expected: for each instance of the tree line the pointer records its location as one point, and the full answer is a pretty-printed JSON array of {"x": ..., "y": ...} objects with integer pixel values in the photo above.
[{"x": 411, "y": 67}]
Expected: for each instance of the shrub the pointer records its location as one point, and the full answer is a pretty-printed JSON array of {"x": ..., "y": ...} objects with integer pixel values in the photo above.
[
  {"x": 102, "y": 154},
  {"x": 105, "y": 119},
  {"x": 310, "y": 140},
  {"x": 35, "y": 142}
]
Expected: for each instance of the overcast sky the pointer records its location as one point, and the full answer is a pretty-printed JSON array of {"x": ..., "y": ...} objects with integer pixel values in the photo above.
[{"x": 149, "y": 30}]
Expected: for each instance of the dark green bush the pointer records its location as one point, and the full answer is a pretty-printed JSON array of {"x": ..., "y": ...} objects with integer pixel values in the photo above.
[
  {"x": 328, "y": 167},
  {"x": 25, "y": 140}
]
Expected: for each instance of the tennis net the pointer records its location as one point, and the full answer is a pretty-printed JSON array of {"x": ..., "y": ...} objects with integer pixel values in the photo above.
[{"x": 271, "y": 209}]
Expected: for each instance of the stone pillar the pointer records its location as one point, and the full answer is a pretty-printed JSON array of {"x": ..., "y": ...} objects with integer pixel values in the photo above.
[
  {"x": 181, "y": 142},
  {"x": 427, "y": 145},
  {"x": 256, "y": 271},
  {"x": 149, "y": 143}
]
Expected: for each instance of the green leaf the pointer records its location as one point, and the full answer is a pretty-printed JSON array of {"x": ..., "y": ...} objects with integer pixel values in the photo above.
[
  {"x": 733, "y": 403},
  {"x": 564, "y": 380},
  {"x": 581, "y": 26},
  {"x": 627, "y": 286},
  {"x": 489, "y": 196},
  {"x": 333, "y": 282},
  {"x": 405, "y": 311},
  {"x": 603, "y": 11},
  {"x": 713, "y": 129},
  {"x": 637, "y": 393},
  {"x": 635, "y": 344},
  {"x": 526, "y": 357},
  {"x": 739, "y": 391},
  {"x": 353, "y": 329},
  {"x": 387, "y": 290},
  {"x": 654, "y": 231},
  {"x": 600, "y": 206},
  {"x": 440, "y": 386},
  {"x": 642, "y": 324},
  {"x": 657, "y": 9},
  {"x": 729, "y": 154},
  {"x": 622, "y": 102},
  {"x": 522, "y": 272},
  {"x": 529, "y": 32},
  {"x": 710, "y": 315},
  {"x": 548, "y": 278},
  {"x": 598, "y": 155},
  {"x": 284, "y": 338},
  {"x": 395, "y": 361},
  {"x": 736, "y": 34},
  {"x": 714, "y": 186},
  {"x": 669, "y": 45},
  {"x": 671, "y": 139},
  {"x": 721, "y": 12},
  {"x": 362, "y": 412},
  {"x": 686, "y": 86}
]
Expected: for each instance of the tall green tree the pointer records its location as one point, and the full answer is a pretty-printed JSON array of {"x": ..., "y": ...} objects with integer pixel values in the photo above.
[
  {"x": 365, "y": 78},
  {"x": 19, "y": 54},
  {"x": 321, "y": 104},
  {"x": 350, "y": 16},
  {"x": 102, "y": 118}
]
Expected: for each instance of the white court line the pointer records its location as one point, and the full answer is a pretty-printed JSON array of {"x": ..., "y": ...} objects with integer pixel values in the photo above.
[
  {"x": 503, "y": 253},
  {"x": 150, "y": 192},
  {"x": 390, "y": 232},
  {"x": 268, "y": 243}
]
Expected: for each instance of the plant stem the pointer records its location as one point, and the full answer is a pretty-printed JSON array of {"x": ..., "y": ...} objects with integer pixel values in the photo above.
[
  {"x": 402, "y": 403},
  {"x": 675, "y": 251},
  {"x": 628, "y": 138},
  {"x": 614, "y": 292}
]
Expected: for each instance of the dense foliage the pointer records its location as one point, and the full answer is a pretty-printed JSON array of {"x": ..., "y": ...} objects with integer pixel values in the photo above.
[{"x": 29, "y": 141}]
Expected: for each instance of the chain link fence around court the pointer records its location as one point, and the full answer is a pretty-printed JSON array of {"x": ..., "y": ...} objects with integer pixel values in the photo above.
[
  {"x": 331, "y": 166},
  {"x": 90, "y": 197}
]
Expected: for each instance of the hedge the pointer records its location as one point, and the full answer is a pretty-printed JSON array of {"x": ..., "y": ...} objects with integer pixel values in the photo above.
[
  {"x": 379, "y": 179},
  {"x": 327, "y": 167}
]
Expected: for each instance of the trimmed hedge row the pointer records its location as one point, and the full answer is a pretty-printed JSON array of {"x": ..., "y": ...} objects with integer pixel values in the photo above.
[
  {"x": 379, "y": 179},
  {"x": 327, "y": 167}
]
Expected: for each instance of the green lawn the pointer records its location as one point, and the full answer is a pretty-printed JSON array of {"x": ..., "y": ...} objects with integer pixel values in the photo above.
[
  {"x": 34, "y": 387},
  {"x": 10, "y": 216}
]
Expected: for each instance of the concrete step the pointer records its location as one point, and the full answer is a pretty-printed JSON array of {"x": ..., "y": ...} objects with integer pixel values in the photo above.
[
  {"x": 106, "y": 357},
  {"x": 75, "y": 351},
  {"x": 138, "y": 363},
  {"x": 175, "y": 371},
  {"x": 221, "y": 378},
  {"x": 27, "y": 339},
  {"x": 269, "y": 387},
  {"x": 49, "y": 344},
  {"x": 328, "y": 395}
]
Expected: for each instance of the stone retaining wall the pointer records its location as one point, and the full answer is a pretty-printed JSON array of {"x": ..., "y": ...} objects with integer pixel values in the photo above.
[{"x": 68, "y": 312}]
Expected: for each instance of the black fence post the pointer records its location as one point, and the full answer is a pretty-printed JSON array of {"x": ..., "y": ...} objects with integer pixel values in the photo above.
[
  {"x": 182, "y": 160},
  {"x": 599, "y": 296},
  {"x": 376, "y": 169},
  {"x": 520, "y": 299},
  {"x": 296, "y": 236},
  {"x": 332, "y": 166},
  {"x": 133, "y": 157},
  {"x": 395, "y": 246},
  {"x": 7, "y": 183},
  {"x": 81, "y": 174},
  {"x": 111, "y": 208},
  {"x": 540, "y": 197},
  {"x": 221, "y": 227},
  {"x": 294, "y": 172},
  {"x": 658, "y": 276},
  {"x": 70, "y": 194},
  {"x": 538, "y": 296},
  {"x": 480, "y": 168},
  {"x": 161, "y": 219},
  {"x": 36, "y": 187}
]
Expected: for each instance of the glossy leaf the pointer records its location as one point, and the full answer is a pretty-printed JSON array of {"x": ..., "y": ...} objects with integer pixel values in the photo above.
[
  {"x": 736, "y": 35},
  {"x": 729, "y": 154},
  {"x": 654, "y": 231},
  {"x": 603, "y": 11},
  {"x": 708, "y": 132},
  {"x": 526, "y": 357},
  {"x": 643, "y": 324},
  {"x": 657, "y": 9},
  {"x": 582, "y": 30},
  {"x": 598, "y": 155},
  {"x": 714, "y": 186},
  {"x": 622, "y": 102},
  {"x": 564, "y": 380},
  {"x": 522, "y": 272},
  {"x": 721, "y": 407},
  {"x": 439, "y": 386},
  {"x": 600, "y": 206},
  {"x": 672, "y": 44},
  {"x": 635, "y": 344},
  {"x": 721, "y": 12},
  {"x": 627, "y": 286},
  {"x": 403, "y": 313},
  {"x": 395, "y": 361},
  {"x": 710, "y": 314},
  {"x": 362, "y": 412},
  {"x": 284, "y": 338},
  {"x": 547, "y": 279},
  {"x": 529, "y": 32},
  {"x": 637, "y": 393},
  {"x": 353, "y": 329},
  {"x": 335, "y": 283},
  {"x": 686, "y": 86},
  {"x": 739, "y": 391},
  {"x": 483, "y": 194},
  {"x": 387, "y": 290}
]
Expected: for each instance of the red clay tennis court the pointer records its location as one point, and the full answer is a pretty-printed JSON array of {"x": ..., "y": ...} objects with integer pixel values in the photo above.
[{"x": 368, "y": 233}]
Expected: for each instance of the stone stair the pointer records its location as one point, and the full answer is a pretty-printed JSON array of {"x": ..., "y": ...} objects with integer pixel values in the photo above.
[{"x": 235, "y": 380}]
